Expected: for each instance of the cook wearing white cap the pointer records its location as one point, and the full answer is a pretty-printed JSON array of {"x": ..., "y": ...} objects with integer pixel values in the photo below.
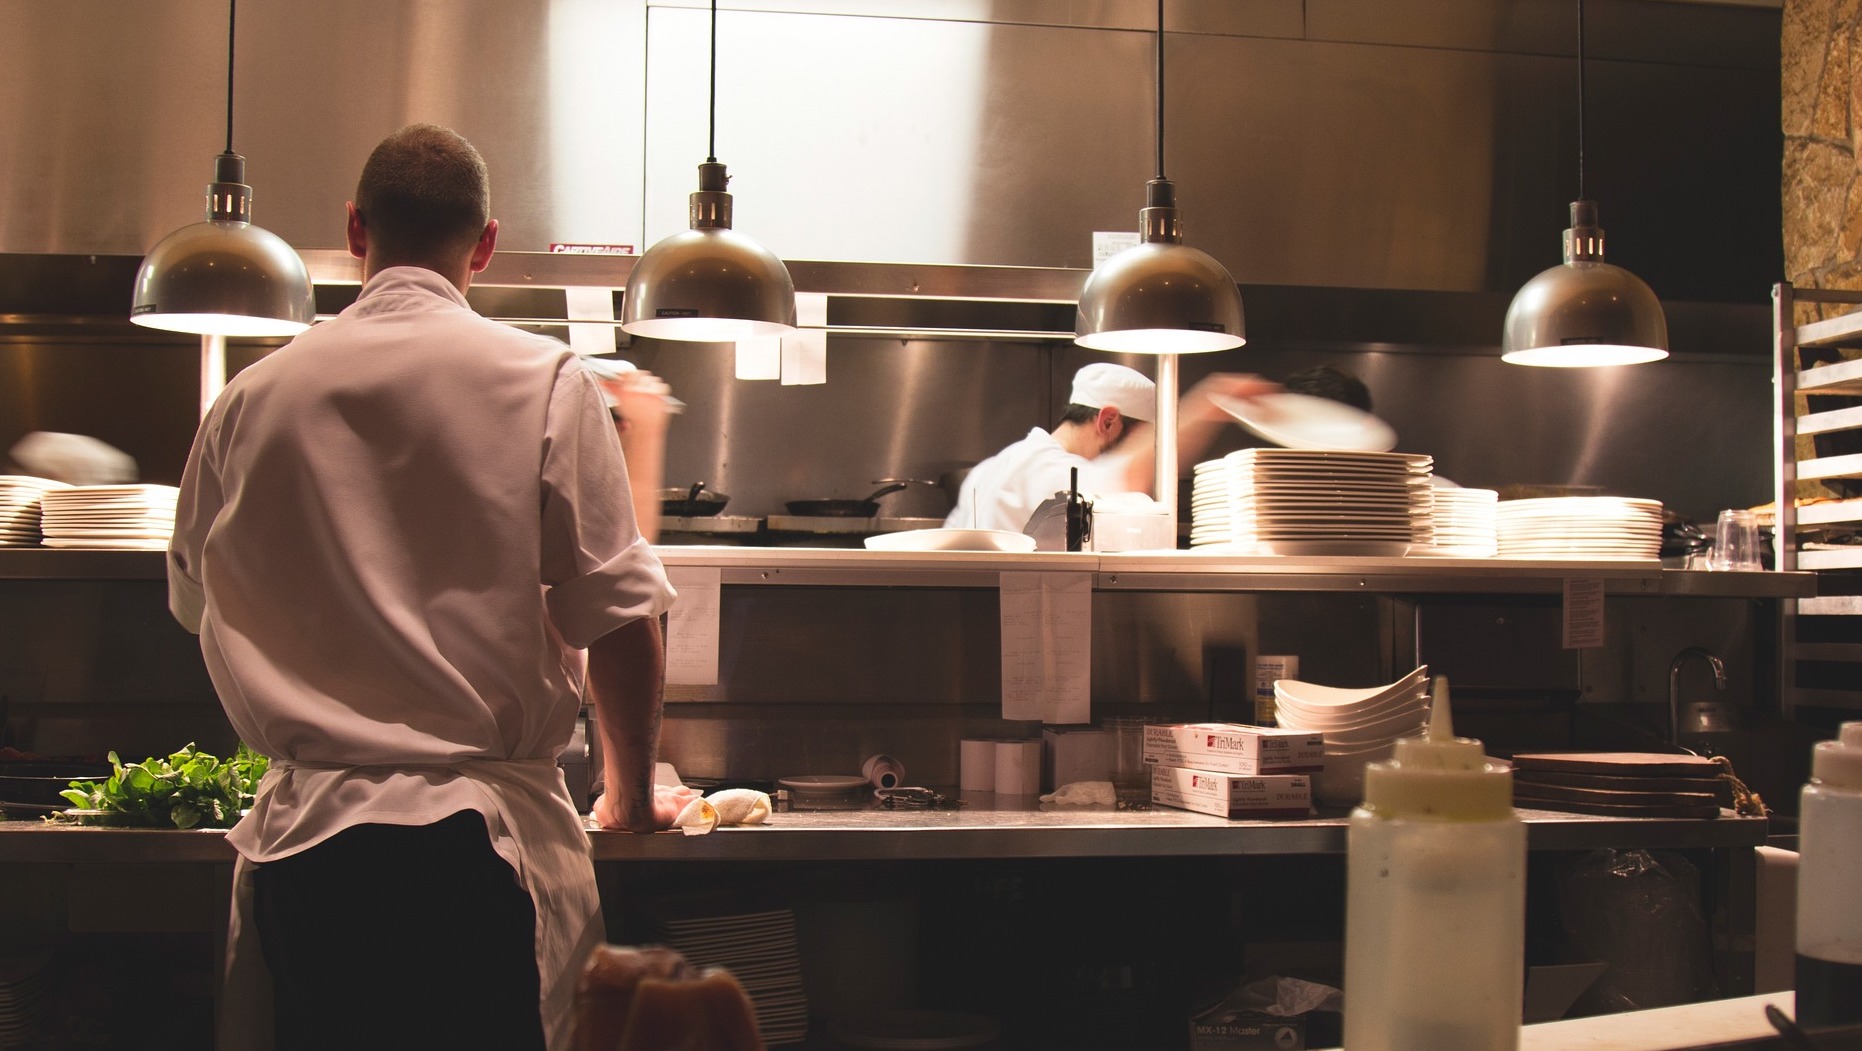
[{"x": 1105, "y": 433}]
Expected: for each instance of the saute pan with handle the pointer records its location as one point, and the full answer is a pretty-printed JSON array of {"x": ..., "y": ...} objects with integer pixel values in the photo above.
[
  {"x": 691, "y": 503},
  {"x": 867, "y": 508}
]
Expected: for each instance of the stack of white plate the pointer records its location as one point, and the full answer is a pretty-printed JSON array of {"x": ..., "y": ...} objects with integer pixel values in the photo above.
[
  {"x": 1312, "y": 502},
  {"x": 759, "y": 949},
  {"x": 1360, "y": 726},
  {"x": 19, "y": 508},
  {"x": 25, "y": 1001},
  {"x": 1466, "y": 524},
  {"x": 1580, "y": 527},
  {"x": 112, "y": 517}
]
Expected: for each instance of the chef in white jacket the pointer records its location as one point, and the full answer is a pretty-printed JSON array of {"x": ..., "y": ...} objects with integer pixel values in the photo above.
[
  {"x": 407, "y": 543},
  {"x": 1105, "y": 433}
]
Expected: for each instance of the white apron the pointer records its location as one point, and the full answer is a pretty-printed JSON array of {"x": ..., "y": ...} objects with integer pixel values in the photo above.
[{"x": 533, "y": 826}]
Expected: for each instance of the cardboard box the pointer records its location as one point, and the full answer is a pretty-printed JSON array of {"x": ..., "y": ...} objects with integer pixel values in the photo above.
[
  {"x": 1231, "y": 795},
  {"x": 1232, "y": 748},
  {"x": 1247, "y": 1031}
]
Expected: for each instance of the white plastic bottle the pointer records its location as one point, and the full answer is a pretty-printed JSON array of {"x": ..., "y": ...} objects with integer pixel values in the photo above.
[
  {"x": 1435, "y": 912},
  {"x": 1829, "y": 884}
]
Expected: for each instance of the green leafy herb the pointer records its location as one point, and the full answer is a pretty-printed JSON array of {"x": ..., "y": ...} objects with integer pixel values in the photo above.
[{"x": 187, "y": 789}]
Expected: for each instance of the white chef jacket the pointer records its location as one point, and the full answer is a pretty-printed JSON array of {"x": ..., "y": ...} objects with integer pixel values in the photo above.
[
  {"x": 1003, "y": 491},
  {"x": 395, "y": 535}
]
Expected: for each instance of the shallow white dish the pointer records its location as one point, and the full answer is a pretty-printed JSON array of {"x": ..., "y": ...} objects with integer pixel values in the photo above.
[
  {"x": 951, "y": 540},
  {"x": 1301, "y": 421},
  {"x": 1317, "y": 695}
]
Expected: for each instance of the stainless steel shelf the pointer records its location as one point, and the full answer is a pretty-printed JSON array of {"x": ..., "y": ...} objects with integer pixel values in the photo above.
[{"x": 1015, "y": 829}]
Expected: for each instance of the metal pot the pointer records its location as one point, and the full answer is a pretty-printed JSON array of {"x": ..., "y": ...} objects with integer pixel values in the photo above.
[
  {"x": 691, "y": 503},
  {"x": 867, "y": 508}
]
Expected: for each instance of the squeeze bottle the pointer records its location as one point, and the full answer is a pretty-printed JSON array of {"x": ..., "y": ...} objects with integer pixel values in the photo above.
[
  {"x": 1435, "y": 910},
  {"x": 1829, "y": 884}
]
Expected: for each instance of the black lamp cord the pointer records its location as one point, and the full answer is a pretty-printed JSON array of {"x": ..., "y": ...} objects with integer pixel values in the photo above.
[
  {"x": 711, "y": 142},
  {"x": 232, "y": 10},
  {"x": 1580, "y": 100},
  {"x": 1160, "y": 88}
]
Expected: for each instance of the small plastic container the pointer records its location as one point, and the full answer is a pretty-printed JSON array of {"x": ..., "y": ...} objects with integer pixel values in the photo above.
[
  {"x": 1435, "y": 911},
  {"x": 1829, "y": 884}
]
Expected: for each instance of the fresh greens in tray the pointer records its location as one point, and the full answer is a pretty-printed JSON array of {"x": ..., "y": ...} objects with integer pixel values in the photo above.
[{"x": 187, "y": 789}]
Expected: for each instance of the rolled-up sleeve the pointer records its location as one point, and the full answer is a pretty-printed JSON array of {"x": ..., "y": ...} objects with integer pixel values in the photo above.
[
  {"x": 195, "y": 510},
  {"x": 599, "y": 572}
]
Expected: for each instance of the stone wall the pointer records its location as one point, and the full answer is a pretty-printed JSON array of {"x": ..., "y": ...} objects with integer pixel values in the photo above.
[{"x": 1820, "y": 64}]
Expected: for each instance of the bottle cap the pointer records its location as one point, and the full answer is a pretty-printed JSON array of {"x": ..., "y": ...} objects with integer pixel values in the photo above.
[
  {"x": 1839, "y": 763},
  {"x": 1439, "y": 775}
]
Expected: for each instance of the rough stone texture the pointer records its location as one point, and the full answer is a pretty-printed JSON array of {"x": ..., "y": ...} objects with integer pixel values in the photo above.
[
  {"x": 1849, "y": 239},
  {"x": 1816, "y": 179},
  {"x": 1830, "y": 121},
  {"x": 1804, "y": 29}
]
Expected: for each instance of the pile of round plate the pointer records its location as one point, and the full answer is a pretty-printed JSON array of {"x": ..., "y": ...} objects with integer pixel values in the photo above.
[
  {"x": 1311, "y": 502},
  {"x": 1465, "y": 522},
  {"x": 117, "y": 517},
  {"x": 1580, "y": 527},
  {"x": 20, "y": 496}
]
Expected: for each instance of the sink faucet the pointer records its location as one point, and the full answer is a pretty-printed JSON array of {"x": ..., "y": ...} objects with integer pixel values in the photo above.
[{"x": 1674, "y": 678}]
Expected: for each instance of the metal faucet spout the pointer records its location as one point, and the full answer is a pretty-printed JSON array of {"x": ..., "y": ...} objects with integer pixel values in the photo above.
[{"x": 1674, "y": 680}]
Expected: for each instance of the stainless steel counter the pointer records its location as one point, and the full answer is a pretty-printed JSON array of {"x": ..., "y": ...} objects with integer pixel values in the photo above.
[
  {"x": 986, "y": 828},
  {"x": 1122, "y": 571}
]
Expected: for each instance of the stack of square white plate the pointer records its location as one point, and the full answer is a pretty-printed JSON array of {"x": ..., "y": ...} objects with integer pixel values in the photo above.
[
  {"x": 1312, "y": 502},
  {"x": 1580, "y": 527},
  {"x": 109, "y": 517},
  {"x": 1466, "y": 524},
  {"x": 759, "y": 949},
  {"x": 19, "y": 508}
]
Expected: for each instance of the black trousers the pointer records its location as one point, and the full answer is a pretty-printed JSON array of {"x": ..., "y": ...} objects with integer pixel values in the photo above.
[{"x": 387, "y": 936}]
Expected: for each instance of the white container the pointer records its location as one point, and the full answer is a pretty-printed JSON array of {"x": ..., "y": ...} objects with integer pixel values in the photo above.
[
  {"x": 1829, "y": 884},
  {"x": 1435, "y": 907},
  {"x": 1267, "y": 670}
]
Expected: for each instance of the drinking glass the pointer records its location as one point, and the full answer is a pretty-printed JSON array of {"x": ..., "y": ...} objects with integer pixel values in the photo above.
[
  {"x": 1131, "y": 778},
  {"x": 1736, "y": 541}
]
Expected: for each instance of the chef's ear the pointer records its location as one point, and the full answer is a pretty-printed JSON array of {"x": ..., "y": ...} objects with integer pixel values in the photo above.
[
  {"x": 354, "y": 232},
  {"x": 1107, "y": 417},
  {"x": 487, "y": 242}
]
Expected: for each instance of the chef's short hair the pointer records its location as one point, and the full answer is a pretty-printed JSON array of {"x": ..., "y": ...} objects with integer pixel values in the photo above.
[
  {"x": 1329, "y": 381},
  {"x": 424, "y": 194},
  {"x": 1079, "y": 414}
]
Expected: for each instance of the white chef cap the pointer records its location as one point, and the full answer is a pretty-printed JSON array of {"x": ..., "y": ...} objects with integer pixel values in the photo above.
[{"x": 1127, "y": 390}]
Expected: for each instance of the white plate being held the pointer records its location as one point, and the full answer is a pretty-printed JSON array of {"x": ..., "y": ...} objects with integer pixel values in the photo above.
[{"x": 951, "y": 540}]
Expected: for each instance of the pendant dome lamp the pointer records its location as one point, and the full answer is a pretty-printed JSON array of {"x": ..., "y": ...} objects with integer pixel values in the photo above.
[
  {"x": 1160, "y": 296},
  {"x": 709, "y": 284},
  {"x": 1584, "y": 312},
  {"x": 224, "y": 276}
]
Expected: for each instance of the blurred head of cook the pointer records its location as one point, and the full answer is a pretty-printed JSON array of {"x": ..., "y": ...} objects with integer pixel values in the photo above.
[
  {"x": 407, "y": 543},
  {"x": 1105, "y": 433},
  {"x": 1330, "y": 381}
]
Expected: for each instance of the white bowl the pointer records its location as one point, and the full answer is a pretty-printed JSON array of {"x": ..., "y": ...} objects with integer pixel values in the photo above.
[
  {"x": 1406, "y": 725},
  {"x": 1313, "y": 695},
  {"x": 1342, "y": 717},
  {"x": 1341, "y": 783}
]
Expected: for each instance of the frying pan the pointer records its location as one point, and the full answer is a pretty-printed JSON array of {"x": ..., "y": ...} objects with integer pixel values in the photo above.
[
  {"x": 867, "y": 508},
  {"x": 690, "y": 503}
]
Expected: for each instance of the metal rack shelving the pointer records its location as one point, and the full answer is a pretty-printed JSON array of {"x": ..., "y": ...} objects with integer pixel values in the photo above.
[{"x": 1825, "y": 630}]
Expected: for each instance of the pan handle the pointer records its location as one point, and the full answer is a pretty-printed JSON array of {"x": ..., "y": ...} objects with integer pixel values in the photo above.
[
  {"x": 904, "y": 481},
  {"x": 892, "y": 487}
]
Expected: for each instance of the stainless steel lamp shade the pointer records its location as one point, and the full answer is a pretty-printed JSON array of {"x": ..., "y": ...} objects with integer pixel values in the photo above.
[
  {"x": 709, "y": 284},
  {"x": 224, "y": 276},
  {"x": 1160, "y": 296},
  {"x": 1584, "y": 312}
]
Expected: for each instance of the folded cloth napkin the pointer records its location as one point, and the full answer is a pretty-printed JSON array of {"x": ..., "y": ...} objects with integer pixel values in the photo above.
[
  {"x": 1082, "y": 793},
  {"x": 731, "y": 806}
]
